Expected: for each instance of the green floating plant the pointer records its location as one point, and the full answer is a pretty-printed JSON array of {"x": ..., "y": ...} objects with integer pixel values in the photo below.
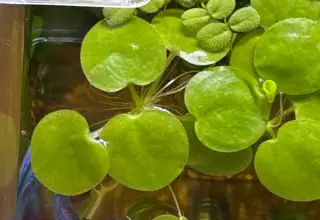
[
  {"x": 288, "y": 53},
  {"x": 210, "y": 162},
  {"x": 272, "y": 11},
  {"x": 168, "y": 23},
  {"x": 113, "y": 57},
  {"x": 64, "y": 157},
  {"x": 153, "y": 6},
  {"x": 270, "y": 89},
  {"x": 227, "y": 126},
  {"x": 244, "y": 20},
  {"x": 289, "y": 165},
  {"x": 214, "y": 37},
  {"x": 220, "y": 9},
  {"x": 117, "y": 16},
  {"x": 187, "y": 3},
  {"x": 307, "y": 106},
  {"x": 243, "y": 51},
  {"x": 194, "y": 19},
  {"x": 138, "y": 159}
]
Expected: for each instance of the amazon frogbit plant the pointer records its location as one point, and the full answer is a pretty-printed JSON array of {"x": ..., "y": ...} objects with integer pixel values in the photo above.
[{"x": 238, "y": 69}]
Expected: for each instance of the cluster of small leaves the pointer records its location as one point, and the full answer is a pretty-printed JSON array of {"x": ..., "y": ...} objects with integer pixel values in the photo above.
[{"x": 209, "y": 23}]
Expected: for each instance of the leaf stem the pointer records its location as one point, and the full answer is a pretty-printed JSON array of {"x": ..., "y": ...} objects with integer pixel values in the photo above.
[
  {"x": 135, "y": 97},
  {"x": 175, "y": 202},
  {"x": 277, "y": 120}
]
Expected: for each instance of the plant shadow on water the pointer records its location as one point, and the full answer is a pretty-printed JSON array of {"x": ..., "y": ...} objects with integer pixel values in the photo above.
[{"x": 57, "y": 82}]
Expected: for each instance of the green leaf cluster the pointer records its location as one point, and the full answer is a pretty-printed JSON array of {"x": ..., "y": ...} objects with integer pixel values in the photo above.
[{"x": 230, "y": 100}]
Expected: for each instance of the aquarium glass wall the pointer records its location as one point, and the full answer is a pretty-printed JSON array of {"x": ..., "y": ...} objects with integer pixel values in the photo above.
[{"x": 175, "y": 110}]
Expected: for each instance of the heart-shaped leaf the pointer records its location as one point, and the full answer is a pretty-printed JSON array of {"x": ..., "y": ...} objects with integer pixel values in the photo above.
[
  {"x": 178, "y": 39},
  {"x": 307, "y": 106},
  {"x": 289, "y": 165},
  {"x": 272, "y": 11},
  {"x": 244, "y": 20},
  {"x": 243, "y": 50},
  {"x": 220, "y": 9},
  {"x": 270, "y": 90},
  {"x": 113, "y": 57},
  {"x": 147, "y": 151},
  {"x": 195, "y": 18},
  {"x": 288, "y": 53},
  {"x": 214, "y": 37},
  {"x": 64, "y": 157},
  {"x": 210, "y": 162},
  {"x": 229, "y": 106}
]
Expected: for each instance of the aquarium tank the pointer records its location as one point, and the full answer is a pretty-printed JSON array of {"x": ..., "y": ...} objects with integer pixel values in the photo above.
[{"x": 166, "y": 110}]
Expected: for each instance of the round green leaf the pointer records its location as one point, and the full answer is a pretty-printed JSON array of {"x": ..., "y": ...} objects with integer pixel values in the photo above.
[
  {"x": 179, "y": 39},
  {"x": 117, "y": 16},
  {"x": 64, "y": 157},
  {"x": 195, "y": 18},
  {"x": 148, "y": 151},
  {"x": 272, "y": 11},
  {"x": 229, "y": 106},
  {"x": 307, "y": 106},
  {"x": 289, "y": 166},
  {"x": 113, "y": 57},
  {"x": 166, "y": 217},
  {"x": 210, "y": 162},
  {"x": 288, "y": 53},
  {"x": 153, "y": 6},
  {"x": 243, "y": 50}
]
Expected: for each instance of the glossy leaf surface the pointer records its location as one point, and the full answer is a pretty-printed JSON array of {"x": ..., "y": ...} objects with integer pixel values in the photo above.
[
  {"x": 272, "y": 11},
  {"x": 64, "y": 157},
  {"x": 113, "y": 57},
  {"x": 229, "y": 106},
  {"x": 178, "y": 39},
  {"x": 147, "y": 151},
  {"x": 307, "y": 106},
  {"x": 210, "y": 162},
  {"x": 288, "y": 53},
  {"x": 289, "y": 165},
  {"x": 243, "y": 50}
]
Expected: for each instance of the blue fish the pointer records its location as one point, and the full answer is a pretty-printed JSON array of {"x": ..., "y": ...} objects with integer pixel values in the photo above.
[
  {"x": 29, "y": 198},
  {"x": 62, "y": 208}
]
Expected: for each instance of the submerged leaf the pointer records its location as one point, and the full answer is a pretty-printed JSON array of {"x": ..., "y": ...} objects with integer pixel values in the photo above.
[
  {"x": 29, "y": 197},
  {"x": 62, "y": 208},
  {"x": 194, "y": 19},
  {"x": 147, "y": 151},
  {"x": 227, "y": 126},
  {"x": 220, "y": 9},
  {"x": 243, "y": 51},
  {"x": 113, "y": 57},
  {"x": 288, "y": 53},
  {"x": 153, "y": 6},
  {"x": 244, "y": 20},
  {"x": 117, "y": 16},
  {"x": 178, "y": 40},
  {"x": 214, "y": 37},
  {"x": 65, "y": 159},
  {"x": 210, "y": 162},
  {"x": 289, "y": 166},
  {"x": 272, "y": 11}
]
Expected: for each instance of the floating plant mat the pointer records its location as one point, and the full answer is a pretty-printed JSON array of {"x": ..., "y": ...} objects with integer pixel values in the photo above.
[{"x": 146, "y": 148}]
